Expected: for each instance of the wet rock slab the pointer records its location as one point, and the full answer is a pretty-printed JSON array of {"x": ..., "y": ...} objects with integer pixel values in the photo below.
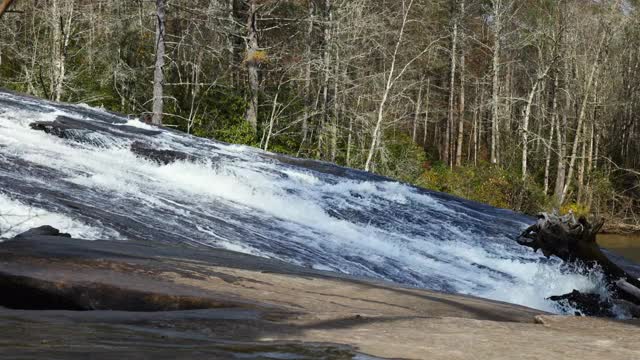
[{"x": 66, "y": 298}]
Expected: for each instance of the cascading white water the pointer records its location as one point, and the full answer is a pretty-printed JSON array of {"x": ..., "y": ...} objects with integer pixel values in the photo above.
[{"x": 246, "y": 200}]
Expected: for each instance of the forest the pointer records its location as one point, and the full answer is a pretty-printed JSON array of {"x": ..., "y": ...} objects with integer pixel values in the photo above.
[{"x": 528, "y": 104}]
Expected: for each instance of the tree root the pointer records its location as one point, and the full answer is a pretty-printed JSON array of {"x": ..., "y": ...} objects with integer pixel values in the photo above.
[{"x": 574, "y": 241}]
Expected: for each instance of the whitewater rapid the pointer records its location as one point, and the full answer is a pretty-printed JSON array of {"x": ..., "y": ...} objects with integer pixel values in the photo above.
[{"x": 243, "y": 199}]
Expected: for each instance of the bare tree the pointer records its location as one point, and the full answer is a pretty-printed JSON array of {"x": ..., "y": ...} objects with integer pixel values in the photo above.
[
  {"x": 452, "y": 91},
  {"x": 525, "y": 121},
  {"x": 583, "y": 108},
  {"x": 61, "y": 22},
  {"x": 252, "y": 60},
  {"x": 501, "y": 9},
  {"x": 307, "y": 74},
  {"x": 391, "y": 77},
  {"x": 158, "y": 75},
  {"x": 461, "y": 105}
]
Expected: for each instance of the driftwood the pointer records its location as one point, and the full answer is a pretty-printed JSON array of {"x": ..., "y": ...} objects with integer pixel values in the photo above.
[{"x": 574, "y": 241}]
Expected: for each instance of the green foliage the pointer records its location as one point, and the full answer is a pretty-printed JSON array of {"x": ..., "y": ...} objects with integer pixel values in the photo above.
[
  {"x": 239, "y": 132},
  {"x": 10, "y": 70},
  {"x": 285, "y": 144},
  {"x": 598, "y": 197},
  {"x": 601, "y": 191},
  {"x": 220, "y": 116},
  {"x": 487, "y": 184},
  {"x": 404, "y": 160}
]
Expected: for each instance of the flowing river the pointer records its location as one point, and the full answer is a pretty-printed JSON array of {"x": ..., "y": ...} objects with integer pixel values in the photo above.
[
  {"x": 89, "y": 183},
  {"x": 627, "y": 245}
]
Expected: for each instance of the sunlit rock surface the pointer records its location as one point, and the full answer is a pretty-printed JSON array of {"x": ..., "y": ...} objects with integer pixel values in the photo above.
[{"x": 73, "y": 298}]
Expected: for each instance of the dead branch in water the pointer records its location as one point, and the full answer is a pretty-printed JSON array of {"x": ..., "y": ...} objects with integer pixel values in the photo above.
[{"x": 574, "y": 241}]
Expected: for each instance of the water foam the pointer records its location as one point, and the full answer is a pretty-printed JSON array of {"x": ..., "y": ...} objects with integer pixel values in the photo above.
[
  {"x": 234, "y": 198},
  {"x": 17, "y": 217}
]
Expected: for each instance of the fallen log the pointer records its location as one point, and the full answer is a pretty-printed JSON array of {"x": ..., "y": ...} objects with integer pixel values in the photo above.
[{"x": 574, "y": 241}]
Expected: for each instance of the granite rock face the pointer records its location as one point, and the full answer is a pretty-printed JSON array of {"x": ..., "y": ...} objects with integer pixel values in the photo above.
[{"x": 68, "y": 298}]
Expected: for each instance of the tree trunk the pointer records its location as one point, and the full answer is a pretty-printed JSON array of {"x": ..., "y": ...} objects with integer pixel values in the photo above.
[
  {"x": 590, "y": 166},
  {"x": 473, "y": 142},
  {"x": 252, "y": 61},
  {"x": 583, "y": 164},
  {"x": 426, "y": 114},
  {"x": 592, "y": 144},
  {"x": 336, "y": 111},
  {"x": 508, "y": 103},
  {"x": 452, "y": 93},
  {"x": 272, "y": 119},
  {"x": 349, "y": 140},
  {"x": 327, "y": 42},
  {"x": 307, "y": 73},
  {"x": 495, "y": 120},
  {"x": 231, "y": 41},
  {"x": 4, "y": 5},
  {"x": 583, "y": 109},
  {"x": 158, "y": 75},
  {"x": 525, "y": 131},
  {"x": 481, "y": 115},
  {"x": 416, "y": 116},
  {"x": 350, "y": 137},
  {"x": 562, "y": 138},
  {"x": 461, "y": 105},
  {"x": 548, "y": 152},
  {"x": 525, "y": 122},
  {"x": 390, "y": 79},
  {"x": 62, "y": 15}
]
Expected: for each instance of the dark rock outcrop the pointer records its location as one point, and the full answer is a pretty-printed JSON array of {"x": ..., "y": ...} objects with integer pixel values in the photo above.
[
  {"x": 82, "y": 131},
  {"x": 45, "y": 230},
  {"x": 160, "y": 156}
]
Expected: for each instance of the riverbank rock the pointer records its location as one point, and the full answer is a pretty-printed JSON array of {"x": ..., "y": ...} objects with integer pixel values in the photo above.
[
  {"x": 67, "y": 298},
  {"x": 159, "y": 156},
  {"x": 82, "y": 131}
]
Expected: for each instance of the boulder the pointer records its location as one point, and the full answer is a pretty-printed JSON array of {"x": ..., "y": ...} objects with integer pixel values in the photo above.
[
  {"x": 160, "y": 156},
  {"x": 44, "y": 230},
  {"x": 67, "y": 298}
]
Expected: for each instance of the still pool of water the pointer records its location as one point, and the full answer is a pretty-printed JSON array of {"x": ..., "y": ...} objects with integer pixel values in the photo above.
[{"x": 625, "y": 245}]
